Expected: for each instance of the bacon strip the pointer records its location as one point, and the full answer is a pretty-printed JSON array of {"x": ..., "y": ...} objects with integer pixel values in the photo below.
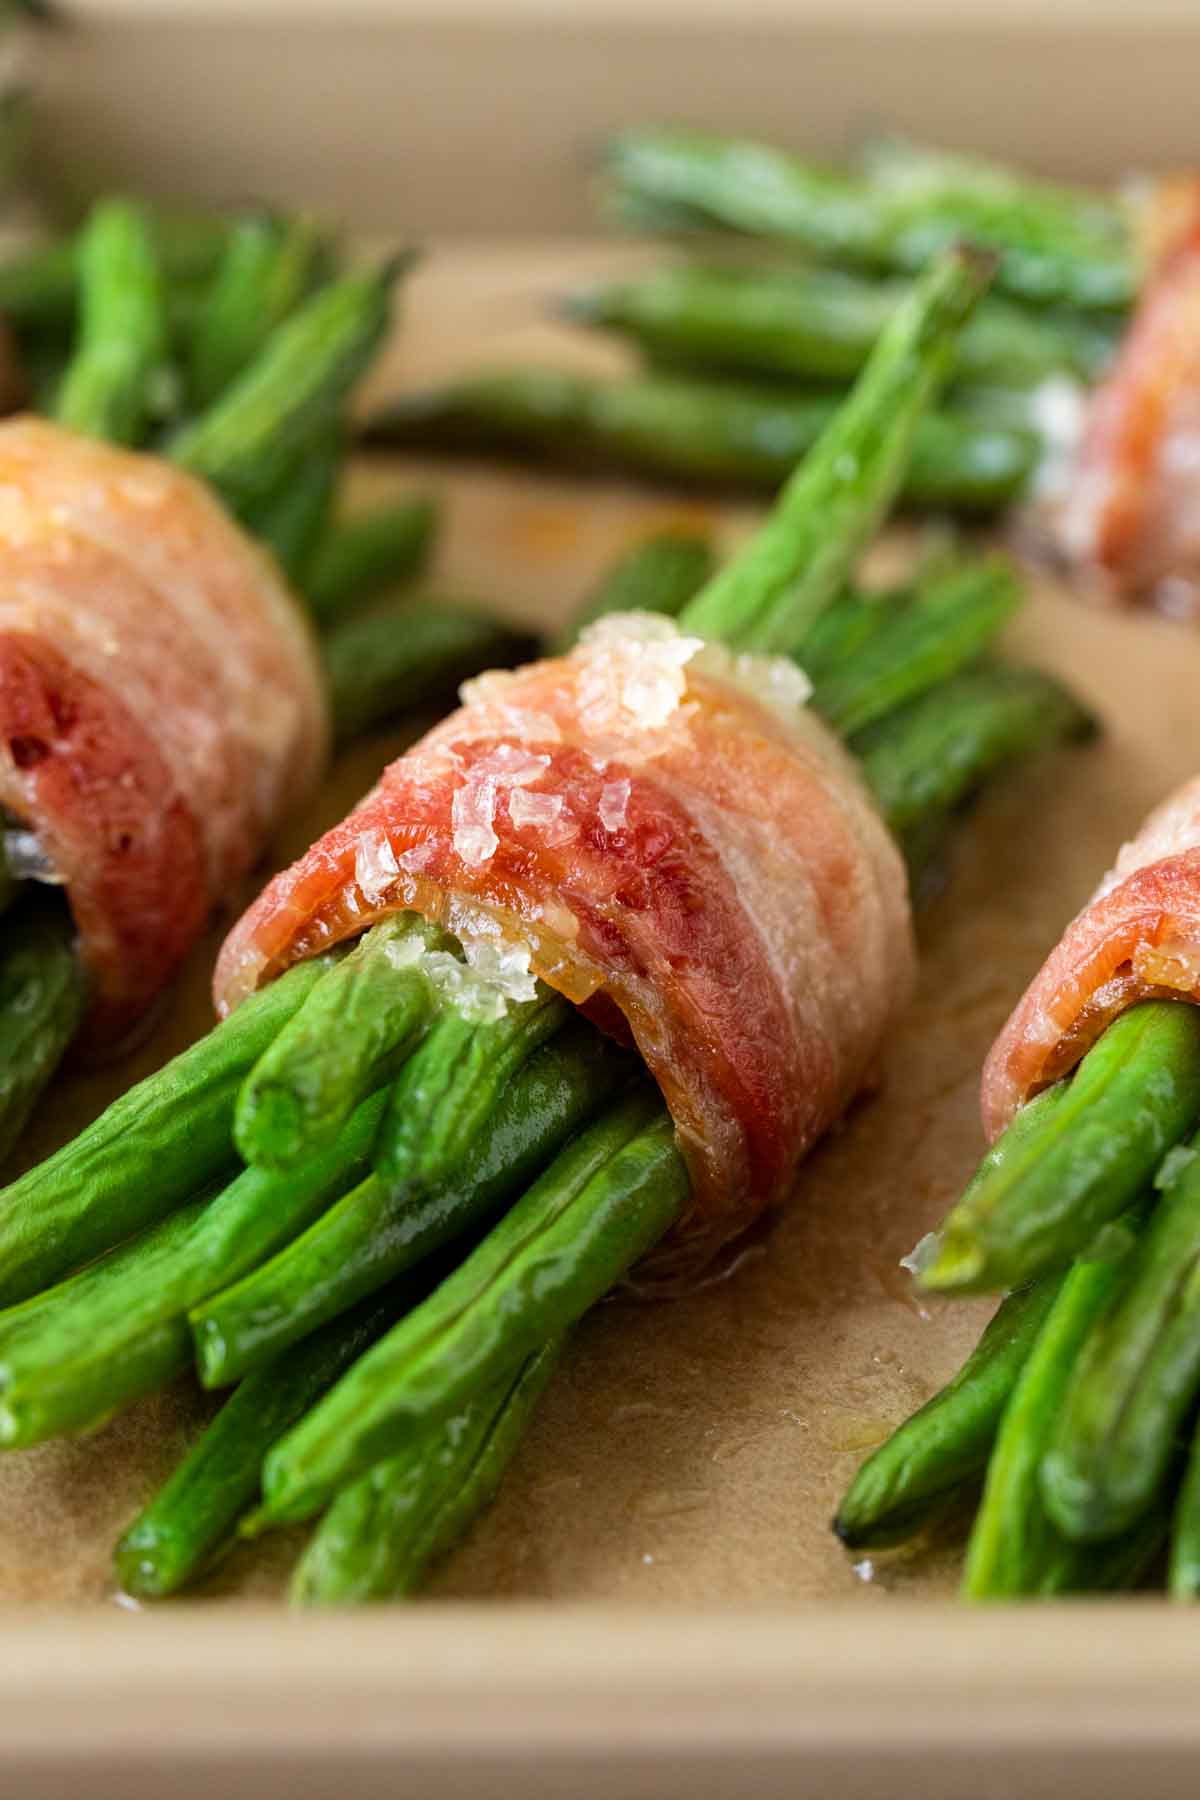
[
  {"x": 695, "y": 863},
  {"x": 1138, "y": 938},
  {"x": 1130, "y": 516},
  {"x": 160, "y": 698}
]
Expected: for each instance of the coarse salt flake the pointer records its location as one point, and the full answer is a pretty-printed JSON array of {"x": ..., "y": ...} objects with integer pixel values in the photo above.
[
  {"x": 633, "y": 671},
  {"x": 513, "y": 766},
  {"x": 375, "y": 865},
  {"x": 776, "y": 682},
  {"x": 533, "y": 809},
  {"x": 614, "y": 805},
  {"x": 471, "y": 813},
  {"x": 493, "y": 972},
  {"x": 419, "y": 857}
]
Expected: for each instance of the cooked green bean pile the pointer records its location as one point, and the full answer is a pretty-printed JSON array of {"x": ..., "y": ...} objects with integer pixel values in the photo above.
[
  {"x": 232, "y": 348},
  {"x": 743, "y": 362},
  {"x": 379, "y": 1217},
  {"x": 1077, "y": 1408}
]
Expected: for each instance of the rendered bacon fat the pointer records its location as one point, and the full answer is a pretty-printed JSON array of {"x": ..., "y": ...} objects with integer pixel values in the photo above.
[
  {"x": 1130, "y": 512},
  {"x": 160, "y": 698},
  {"x": 1138, "y": 938},
  {"x": 662, "y": 832}
]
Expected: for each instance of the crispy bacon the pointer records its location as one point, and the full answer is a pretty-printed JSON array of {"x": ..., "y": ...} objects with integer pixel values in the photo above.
[
  {"x": 160, "y": 698},
  {"x": 687, "y": 854},
  {"x": 1138, "y": 938}
]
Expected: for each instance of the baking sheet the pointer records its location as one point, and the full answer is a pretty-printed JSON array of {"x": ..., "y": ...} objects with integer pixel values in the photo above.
[{"x": 690, "y": 1453}]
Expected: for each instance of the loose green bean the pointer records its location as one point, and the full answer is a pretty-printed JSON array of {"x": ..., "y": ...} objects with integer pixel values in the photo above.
[
  {"x": 1038, "y": 1199},
  {"x": 400, "y": 657},
  {"x": 1113, "y": 1449},
  {"x": 195, "y": 1515},
  {"x": 722, "y": 433},
  {"x": 372, "y": 1236},
  {"x": 599, "y": 1207},
  {"x": 820, "y": 324},
  {"x": 364, "y": 556},
  {"x": 900, "y": 164},
  {"x": 383, "y": 1532},
  {"x": 352, "y": 1033},
  {"x": 113, "y": 385},
  {"x": 143, "y": 1157},
  {"x": 1047, "y": 253},
  {"x": 947, "y": 1443}
]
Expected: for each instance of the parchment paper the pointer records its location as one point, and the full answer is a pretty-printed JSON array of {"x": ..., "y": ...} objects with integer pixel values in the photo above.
[{"x": 689, "y": 1452}]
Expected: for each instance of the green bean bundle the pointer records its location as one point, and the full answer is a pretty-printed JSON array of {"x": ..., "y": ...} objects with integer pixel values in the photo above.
[{"x": 512, "y": 1142}]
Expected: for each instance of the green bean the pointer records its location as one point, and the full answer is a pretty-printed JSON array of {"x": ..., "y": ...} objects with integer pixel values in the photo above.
[
  {"x": 898, "y": 163},
  {"x": 1014, "y": 1548},
  {"x": 113, "y": 385},
  {"x": 382, "y": 1533},
  {"x": 1184, "y": 1571},
  {"x": 947, "y": 1443},
  {"x": 39, "y": 287},
  {"x": 846, "y": 627},
  {"x": 34, "y": 1402},
  {"x": 195, "y": 1514},
  {"x": 954, "y": 622},
  {"x": 660, "y": 575},
  {"x": 606, "y": 1200},
  {"x": 1039, "y": 1197},
  {"x": 246, "y": 442},
  {"x": 451, "y": 1088},
  {"x": 43, "y": 992},
  {"x": 267, "y": 269},
  {"x": 145, "y": 1155},
  {"x": 290, "y": 521},
  {"x": 1048, "y": 253},
  {"x": 373, "y": 1235},
  {"x": 820, "y": 324},
  {"x": 405, "y": 656},
  {"x": 923, "y": 760},
  {"x": 718, "y": 433},
  {"x": 346, "y": 1041},
  {"x": 74, "y": 1354},
  {"x": 1113, "y": 1450},
  {"x": 768, "y": 595},
  {"x": 368, "y": 554}
]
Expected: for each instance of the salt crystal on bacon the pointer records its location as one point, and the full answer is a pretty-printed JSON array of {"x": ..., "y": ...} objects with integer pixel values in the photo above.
[
  {"x": 375, "y": 865},
  {"x": 614, "y": 804},
  {"x": 471, "y": 813}
]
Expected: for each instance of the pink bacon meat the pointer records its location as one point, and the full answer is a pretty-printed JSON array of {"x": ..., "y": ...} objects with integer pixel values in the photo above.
[
  {"x": 695, "y": 864},
  {"x": 161, "y": 700},
  {"x": 1138, "y": 938}
]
